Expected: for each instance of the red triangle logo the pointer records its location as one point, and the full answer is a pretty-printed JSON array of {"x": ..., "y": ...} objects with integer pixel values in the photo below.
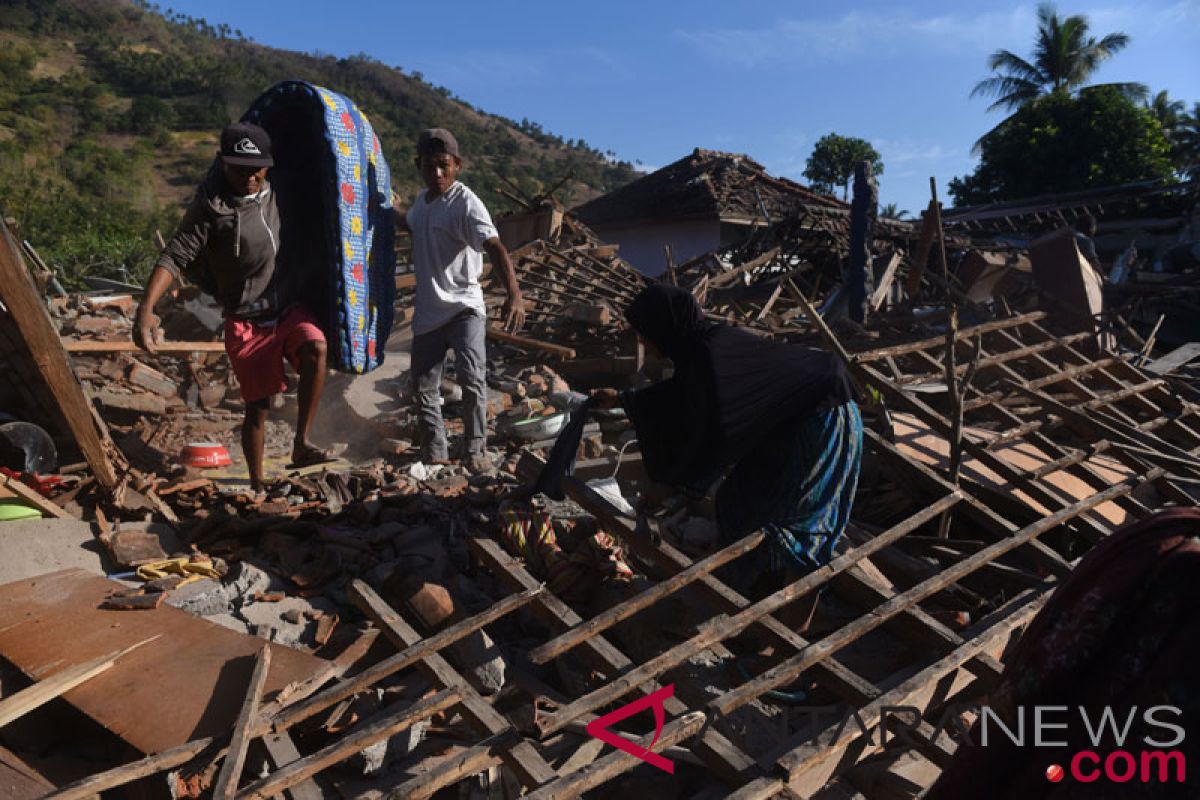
[{"x": 599, "y": 727}]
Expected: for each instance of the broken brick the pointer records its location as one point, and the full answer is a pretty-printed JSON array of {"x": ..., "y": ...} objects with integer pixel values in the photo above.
[
  {"x": 140, "y": 402},
  {"x": 134, "y": 548},
  {"x": 326, "y": 623},
  {"x": 152, "y": 379},
  {"x": 134, "y": 602},
  {"x": 102, "y": 327},
  {"x": 430, "y": 602}
]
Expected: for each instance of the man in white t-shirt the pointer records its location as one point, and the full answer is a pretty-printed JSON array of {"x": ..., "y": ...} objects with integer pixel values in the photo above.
[{"x": 451, "y": 229}]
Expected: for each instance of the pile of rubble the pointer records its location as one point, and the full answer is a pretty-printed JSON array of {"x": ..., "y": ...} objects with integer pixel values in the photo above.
[{"x": 433, "y": 633}]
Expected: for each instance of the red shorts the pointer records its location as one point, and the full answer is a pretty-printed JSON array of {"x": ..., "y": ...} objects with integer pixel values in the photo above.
[{"x": 257, "y": 351}]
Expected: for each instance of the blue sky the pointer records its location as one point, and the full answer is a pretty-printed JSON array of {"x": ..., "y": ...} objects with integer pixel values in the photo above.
[{"x": 652, "y": 80}]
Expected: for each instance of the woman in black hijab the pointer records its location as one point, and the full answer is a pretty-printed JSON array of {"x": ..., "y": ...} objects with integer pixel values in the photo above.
[{"x": 781, "y": 416}]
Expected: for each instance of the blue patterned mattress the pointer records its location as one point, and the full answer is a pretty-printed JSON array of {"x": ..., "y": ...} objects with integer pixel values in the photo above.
[{"x": 338, "y": 232}]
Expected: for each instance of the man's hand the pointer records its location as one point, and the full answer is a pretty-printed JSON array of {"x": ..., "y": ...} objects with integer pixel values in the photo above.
[
  {"x": 146, "y": 332},
  {"x": 514, "y": 312},
  {"x": 605, "y": 398},
  {"x": 514, "y": 306}
]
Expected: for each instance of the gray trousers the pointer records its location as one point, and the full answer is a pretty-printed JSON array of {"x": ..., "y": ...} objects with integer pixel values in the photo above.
[{"x": 465, "y": 335}]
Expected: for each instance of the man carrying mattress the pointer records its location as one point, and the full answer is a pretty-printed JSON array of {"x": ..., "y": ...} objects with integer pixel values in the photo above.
[
  {"x": 227, "y": 244},
  {"x": 451, "y": 229}
]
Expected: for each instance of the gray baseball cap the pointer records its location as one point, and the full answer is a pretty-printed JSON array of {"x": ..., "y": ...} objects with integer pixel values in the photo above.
[{"x": 437, "y": 140}]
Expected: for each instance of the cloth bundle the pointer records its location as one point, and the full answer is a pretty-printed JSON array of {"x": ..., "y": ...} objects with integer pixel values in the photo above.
[{"x": 573, "y": 575}]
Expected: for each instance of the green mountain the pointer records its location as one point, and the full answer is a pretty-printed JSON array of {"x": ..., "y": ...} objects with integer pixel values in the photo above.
[{"x": 109, "y": 113}]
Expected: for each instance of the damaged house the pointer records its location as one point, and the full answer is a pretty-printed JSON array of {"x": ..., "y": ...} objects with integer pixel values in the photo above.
[{"x": 704, "y": 201}]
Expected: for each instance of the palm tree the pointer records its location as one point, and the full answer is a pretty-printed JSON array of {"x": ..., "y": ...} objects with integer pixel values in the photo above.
[
  {"x": 1173, "y": 120},
  {"x": 1064, "y": 58},
  {"x": 1186, "y": 144},
  {"x": 1168, "y": 112},
  {"x": 891, "y": 211}
]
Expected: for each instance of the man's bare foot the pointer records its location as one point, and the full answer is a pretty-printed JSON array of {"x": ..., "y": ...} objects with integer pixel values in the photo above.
[{"x": 306, "y": 455}]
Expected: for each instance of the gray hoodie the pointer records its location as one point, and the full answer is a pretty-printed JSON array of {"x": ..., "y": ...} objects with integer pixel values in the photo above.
[{"x": 228, "y": 247}]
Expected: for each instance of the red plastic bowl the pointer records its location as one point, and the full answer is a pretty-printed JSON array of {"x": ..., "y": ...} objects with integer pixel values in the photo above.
[{"x": 204, "y": 455}]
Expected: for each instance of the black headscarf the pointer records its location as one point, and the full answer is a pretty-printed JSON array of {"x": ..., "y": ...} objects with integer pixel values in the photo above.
[{"x": 730, "y": 389}]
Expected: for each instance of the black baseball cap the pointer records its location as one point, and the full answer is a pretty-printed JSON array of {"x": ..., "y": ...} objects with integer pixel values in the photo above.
[
  {"x": 437, "y": 140},
  {"x": 246, "y": 145}
]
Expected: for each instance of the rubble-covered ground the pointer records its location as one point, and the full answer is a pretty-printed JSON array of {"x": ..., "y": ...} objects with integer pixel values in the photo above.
[{"x": 1039, "y": 416}]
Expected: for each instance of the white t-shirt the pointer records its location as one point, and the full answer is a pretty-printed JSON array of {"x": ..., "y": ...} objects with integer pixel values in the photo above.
[{"x": 448, "y": 236}]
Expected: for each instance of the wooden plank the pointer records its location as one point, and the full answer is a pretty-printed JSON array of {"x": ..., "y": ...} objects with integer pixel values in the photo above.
[
  {"x": 981, "y": 514},
  {"x": 729, "y": 276},
  {"x": 602, "y": 622},
  {"x": 761, "y": 789},
  {"x": 724, "y": 758},
  {"x": 165, "y": 348},
  {"x": 281, "y": 751},
  {"x": 453, "y": 769},
  {"x": 837, "y": 676},
  {"x": 42, "y": 692},
  {"x": 995, "y": 524},
  {"x": 822, "y": 753},
  {"x": 604, "y": 657},
  {"x": 355, "y": 742},
  {"x": 1151, "y": 448},
  {"x": 45, "y": 350},
  {"x": 921, "y": 254},
  {"x": 54, "y": 621},
  {"x": 235, "y": 759},
  {"x": 27, "y": 495},
  {"x": 618, "y": 762},
  {"x": 885, "y": 281},
  {"x": 18, "y": 780},
  {"x": 766, "y": 308},
  {"x": 999, "y": 358},
  {"x": 405, "y": 658},
  {"x": 1174, "y": 359},
  {"x": 630, "y": 467},
  {"x": 87, "y": 788},
  {"x": 723, "y": 626},
  {"x": 789, "y": 669},
  {"x": 964, "y": 334},
  {"x": 531, "y": 769},
  {"x": 532, "y": 344}
]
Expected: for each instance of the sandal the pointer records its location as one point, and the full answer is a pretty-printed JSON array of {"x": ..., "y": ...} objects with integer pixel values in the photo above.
[{"x": 308, "y": 456}]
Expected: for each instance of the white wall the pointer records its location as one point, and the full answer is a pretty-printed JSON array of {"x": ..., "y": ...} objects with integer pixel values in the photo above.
[{"x": 642, "y": 245}]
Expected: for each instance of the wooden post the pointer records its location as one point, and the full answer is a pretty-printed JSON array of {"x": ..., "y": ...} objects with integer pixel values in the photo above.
[
  {"x": 45, "y": 351},
  {"x": 862, "y": 224},
  {"x": 231, "y": 770},
  {"x": 921, "y": 255}
]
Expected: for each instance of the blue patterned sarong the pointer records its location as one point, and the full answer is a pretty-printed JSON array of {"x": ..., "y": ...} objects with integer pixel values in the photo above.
[{"x": 798, "y": 487}]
